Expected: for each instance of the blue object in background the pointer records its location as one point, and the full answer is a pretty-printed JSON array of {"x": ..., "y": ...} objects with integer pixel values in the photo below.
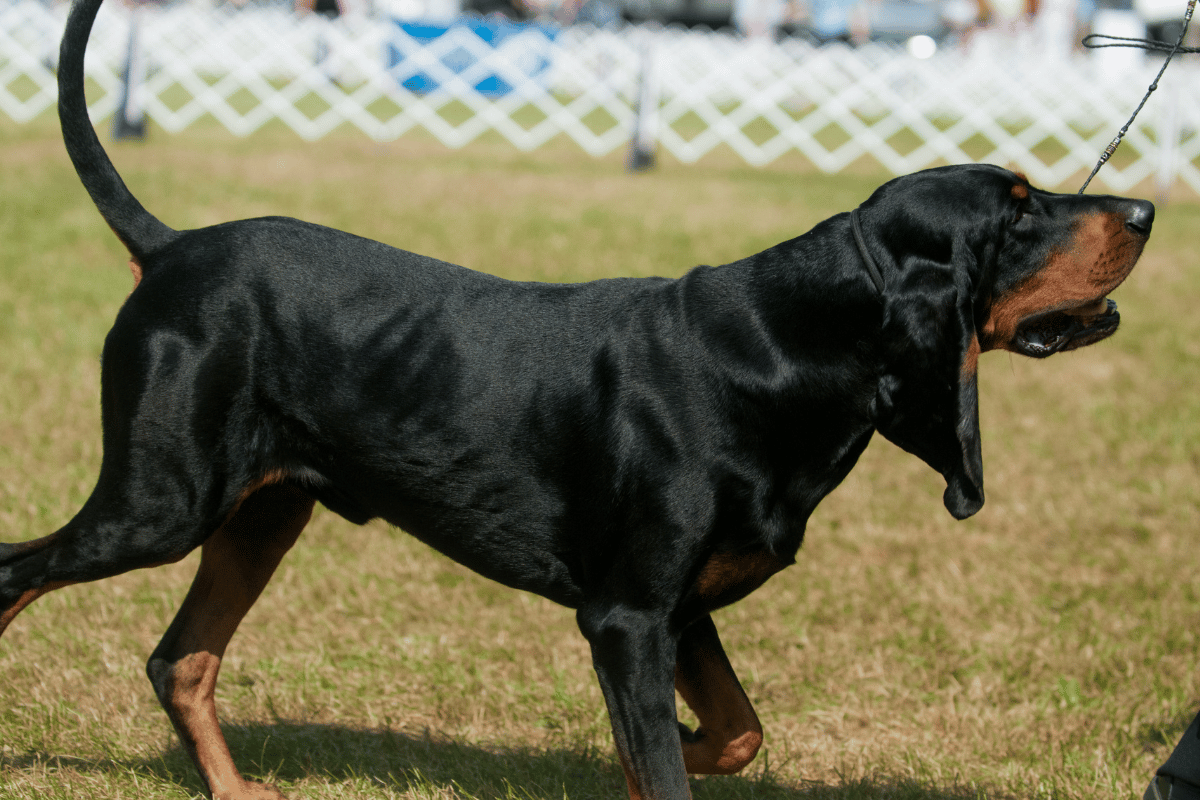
[
  {"x": 493, "y": 32},
  {"x": 831, "y": 18}
]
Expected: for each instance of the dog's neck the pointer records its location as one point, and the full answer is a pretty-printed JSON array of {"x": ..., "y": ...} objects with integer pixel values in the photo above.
[{"x": 861, "y": 244}]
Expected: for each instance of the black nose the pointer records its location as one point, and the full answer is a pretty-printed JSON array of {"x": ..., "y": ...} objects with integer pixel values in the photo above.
[{"x": 1140, "y": 216}]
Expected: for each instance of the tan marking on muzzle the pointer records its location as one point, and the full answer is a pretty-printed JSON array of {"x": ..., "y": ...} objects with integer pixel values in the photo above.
[{"x": 1076, "y": 277}]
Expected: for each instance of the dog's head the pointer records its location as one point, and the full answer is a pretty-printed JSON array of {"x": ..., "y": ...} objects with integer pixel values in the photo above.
[{"x": 975, "y": 259}]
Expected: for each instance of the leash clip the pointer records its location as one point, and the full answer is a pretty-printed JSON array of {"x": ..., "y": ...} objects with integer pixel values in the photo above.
[{"x": 1097, "y": 40}]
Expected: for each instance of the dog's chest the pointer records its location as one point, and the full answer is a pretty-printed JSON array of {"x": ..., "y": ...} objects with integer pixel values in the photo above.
[{"x": 728, "y": 577}]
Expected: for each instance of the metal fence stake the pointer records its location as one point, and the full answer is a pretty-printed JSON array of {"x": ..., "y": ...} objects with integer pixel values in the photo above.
[
  {"x": 644, "y": 144},
  {"x": 129, "y": 121}
]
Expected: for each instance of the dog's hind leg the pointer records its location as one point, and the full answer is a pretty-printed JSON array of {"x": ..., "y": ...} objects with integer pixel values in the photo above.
[
  {"x": 107, "y": 537},
  {"x": 729, "y": 733},
  {"x": 10, "y": 556},
  {"x": 236, "y": 563},
  {"x": 138, "y": 516},
  {"x": 181, "y": 450}
]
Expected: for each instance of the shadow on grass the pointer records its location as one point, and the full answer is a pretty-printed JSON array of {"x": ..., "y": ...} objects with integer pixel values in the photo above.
[
  {"x": 290, "y": 754},
  {"x": 1166, "y": 731}
]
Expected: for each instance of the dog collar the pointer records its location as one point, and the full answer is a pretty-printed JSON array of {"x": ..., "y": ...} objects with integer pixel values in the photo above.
[{"x": 872, "y": 267}]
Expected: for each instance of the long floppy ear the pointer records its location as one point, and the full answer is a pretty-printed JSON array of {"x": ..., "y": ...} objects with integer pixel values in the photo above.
[{"x": 927, "y": 400}]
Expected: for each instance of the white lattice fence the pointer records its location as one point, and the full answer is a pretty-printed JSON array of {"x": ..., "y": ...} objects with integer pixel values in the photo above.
[{"x": 1001, "y": 101}]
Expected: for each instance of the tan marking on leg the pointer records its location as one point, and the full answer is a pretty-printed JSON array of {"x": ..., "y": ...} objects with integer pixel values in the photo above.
[
  {"x": 728, "y": 577},
  {"x": 22, "y": 550},
  {"x": 235, "y": 565},
  {"x": 25, "y": 549},
  {"x": 269, "y": 478},
  {"x": 970, "y": 365},
  {"x": 25, "y": 599},
  {"x": 193, "y": 682},
  {"x": 636, "y": 792},
  {"x": 136, "y": 269},
  {"x": 729, "y": 734},
  {"x": 630, "y": 781}
]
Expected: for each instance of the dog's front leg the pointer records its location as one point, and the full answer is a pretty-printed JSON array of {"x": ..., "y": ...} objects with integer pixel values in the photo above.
[
  {"x": 633, "y": 652},
  {"x": 729, "y": 734}
]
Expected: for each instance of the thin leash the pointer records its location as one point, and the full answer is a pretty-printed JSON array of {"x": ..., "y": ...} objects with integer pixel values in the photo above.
[
  {"x": 1094, "y": 41},
  {"x": 1098, "y": 40}
]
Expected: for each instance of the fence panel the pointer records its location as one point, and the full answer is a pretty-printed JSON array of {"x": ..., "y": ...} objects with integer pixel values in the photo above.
[{"x": 1000, "y": 100}]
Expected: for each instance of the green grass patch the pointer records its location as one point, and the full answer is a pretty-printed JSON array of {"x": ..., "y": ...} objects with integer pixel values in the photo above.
[{"x": 1044, "y": 649}]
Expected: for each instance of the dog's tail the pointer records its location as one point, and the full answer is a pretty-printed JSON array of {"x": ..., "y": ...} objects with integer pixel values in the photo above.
[{"x": 139, "y": 230}]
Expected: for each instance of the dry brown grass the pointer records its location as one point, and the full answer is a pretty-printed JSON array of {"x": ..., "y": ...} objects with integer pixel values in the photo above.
[{"x": 1045, "y": 648}]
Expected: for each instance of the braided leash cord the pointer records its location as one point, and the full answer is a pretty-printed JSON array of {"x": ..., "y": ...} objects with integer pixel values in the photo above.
[{"x": 1097, "y": 40}]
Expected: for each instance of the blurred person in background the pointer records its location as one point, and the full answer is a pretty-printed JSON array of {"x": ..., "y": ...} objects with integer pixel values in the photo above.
[{"x": 326, "y": 8}]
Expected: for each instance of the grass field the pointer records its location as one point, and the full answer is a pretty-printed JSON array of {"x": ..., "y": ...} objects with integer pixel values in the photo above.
[{"x": 1046, "y": 648}]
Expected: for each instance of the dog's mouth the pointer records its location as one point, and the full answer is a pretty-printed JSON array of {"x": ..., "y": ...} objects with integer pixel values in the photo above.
[{"x": 1067, "y": 329}]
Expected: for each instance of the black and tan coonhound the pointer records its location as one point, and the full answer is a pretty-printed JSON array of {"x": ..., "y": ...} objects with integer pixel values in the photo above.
[{"x": 641, "y": 450}]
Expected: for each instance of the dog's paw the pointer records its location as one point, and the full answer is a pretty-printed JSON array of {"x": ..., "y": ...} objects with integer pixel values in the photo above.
[{"x": 250, "y": 790}]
